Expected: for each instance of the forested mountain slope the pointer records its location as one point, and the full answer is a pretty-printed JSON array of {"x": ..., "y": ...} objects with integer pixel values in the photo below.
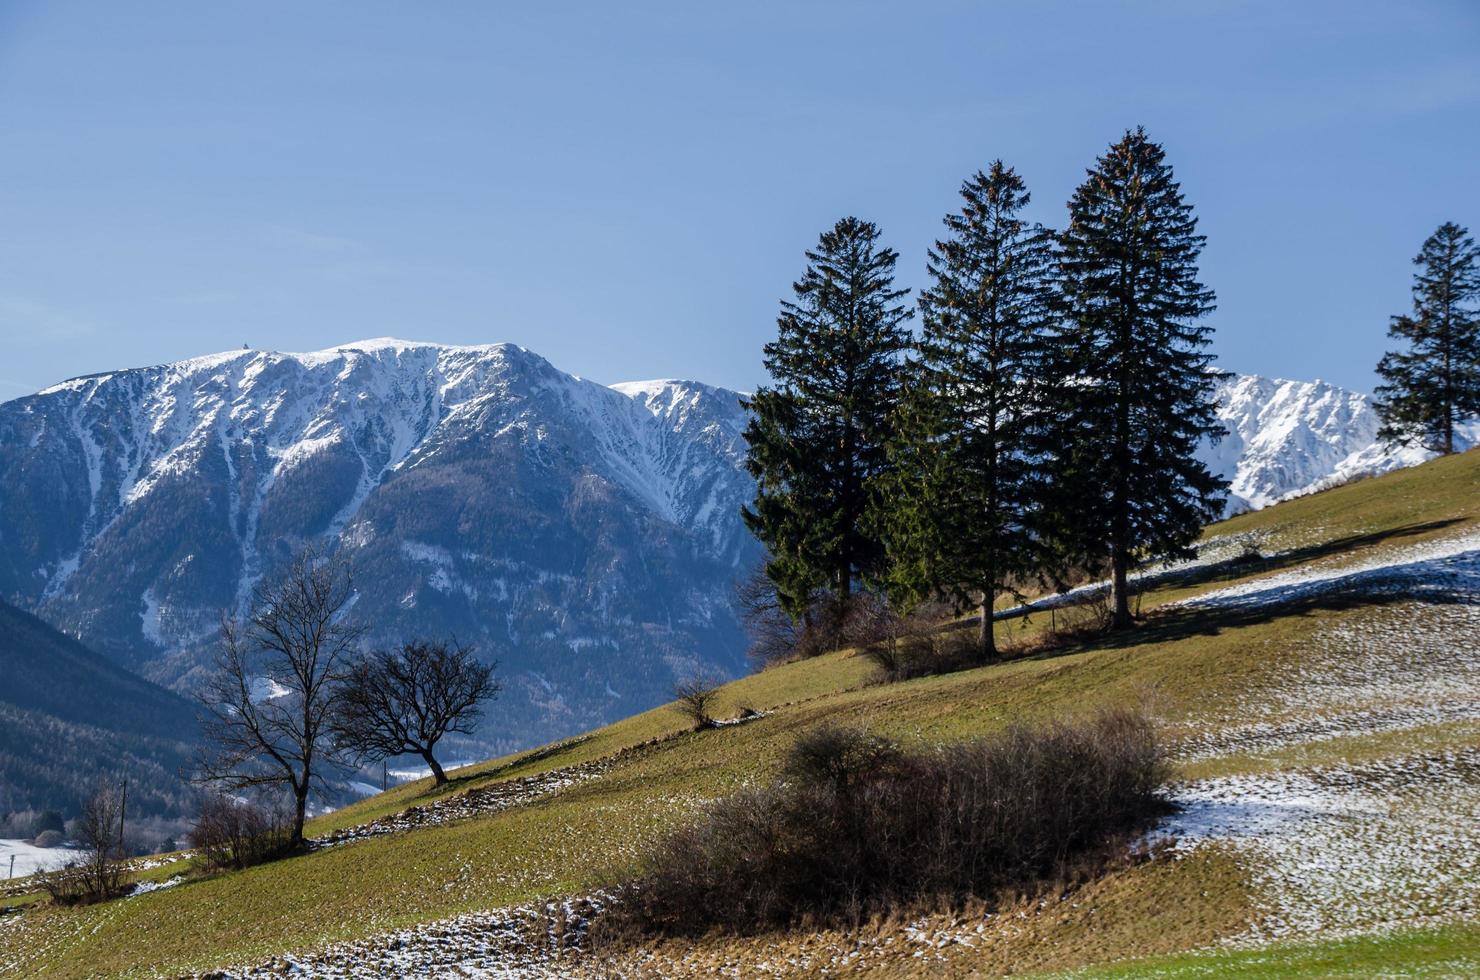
[{"x": 70, "y": 717}]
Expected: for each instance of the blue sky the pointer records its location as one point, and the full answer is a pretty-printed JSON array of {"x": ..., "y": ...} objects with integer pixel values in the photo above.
[{"x": 628, "y": 188}]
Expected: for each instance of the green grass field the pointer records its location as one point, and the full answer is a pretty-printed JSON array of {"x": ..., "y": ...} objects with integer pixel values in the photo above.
[{"x": 1238, "y": 693}]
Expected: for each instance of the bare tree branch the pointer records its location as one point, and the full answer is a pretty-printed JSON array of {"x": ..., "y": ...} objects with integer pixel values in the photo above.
[
  {"x": 297, "y": 638},
  {"x": 404, "y": 701}
]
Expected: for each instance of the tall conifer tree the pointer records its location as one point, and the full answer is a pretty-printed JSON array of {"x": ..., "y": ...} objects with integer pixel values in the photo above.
[
  {"x": 817, "y": 435},
  {"x": 1434, "y": 385},
  {"x": 964, "y": 486},
  {"x": 1137, "y": 390}
]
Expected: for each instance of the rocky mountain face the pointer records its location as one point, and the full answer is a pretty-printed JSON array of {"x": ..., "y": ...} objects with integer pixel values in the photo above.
[
  {"x": 586, "y": 537},
  {"x": 1286, "y": 438}
]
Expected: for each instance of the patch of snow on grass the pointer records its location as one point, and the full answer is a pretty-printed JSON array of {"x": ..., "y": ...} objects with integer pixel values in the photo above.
[
  {"x": 1386, "y": 668},
  {"x": 1446, "y": 569},
  {"x": 529, "y": 940},
  {"x": 1351, "y": 847}
]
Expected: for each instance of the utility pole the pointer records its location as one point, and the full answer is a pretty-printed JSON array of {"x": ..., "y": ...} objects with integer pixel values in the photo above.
[{"x": 122, "y": 810}]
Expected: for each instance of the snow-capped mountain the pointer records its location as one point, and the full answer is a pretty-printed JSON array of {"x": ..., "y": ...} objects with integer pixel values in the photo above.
[
  {"x": 1286, "y": 438},
  {"x": 587, "y": 537}
]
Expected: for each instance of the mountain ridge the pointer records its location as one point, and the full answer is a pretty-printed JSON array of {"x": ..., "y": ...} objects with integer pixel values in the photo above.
[
  {"x": 587, "y": 536},
  {"x": 70, "y": 717},
  {"x": 541, "y": 516}
]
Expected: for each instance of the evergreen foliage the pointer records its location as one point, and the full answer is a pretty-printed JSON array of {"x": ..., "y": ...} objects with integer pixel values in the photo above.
[
  {"x": 817, "y": 436},
  {"x": 1435, "y": 383},
  {"x": 967, "y": 455},
  {"x": 1135, "y": 396}
]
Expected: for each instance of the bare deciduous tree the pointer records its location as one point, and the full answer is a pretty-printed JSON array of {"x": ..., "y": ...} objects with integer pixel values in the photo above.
[
  {"x": 268, "y": 706},
  {"x": 774, "y": 635},
  {"x": 399, "y": 702},
  {"x": 694, "y": 697},
  {"x": 98, "y": 874}
]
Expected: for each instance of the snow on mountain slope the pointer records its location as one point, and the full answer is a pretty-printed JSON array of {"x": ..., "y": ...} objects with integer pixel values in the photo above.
[
  {"x": 583, "y": 535},
  {"x": 1286, "y": 438},
  {"x": 586, "y": 536}
]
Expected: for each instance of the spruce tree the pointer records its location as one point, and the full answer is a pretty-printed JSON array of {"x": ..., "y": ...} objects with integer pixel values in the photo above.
[
  {"x": 817, "y": 435},
  {"x": 966, "y": 453},
  {"x": 1434, "y": 384},
  {"x": 1136, "y": 390}
]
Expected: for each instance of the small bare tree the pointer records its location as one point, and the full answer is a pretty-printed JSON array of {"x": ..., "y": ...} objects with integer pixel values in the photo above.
[
  {"x": 298, "y": 639},
  {"x": 774, "y": 635},
  {"x": 98, "y": 874},
  {"x": 694, "y": 697},
  {"x": 404, "y": 701}
]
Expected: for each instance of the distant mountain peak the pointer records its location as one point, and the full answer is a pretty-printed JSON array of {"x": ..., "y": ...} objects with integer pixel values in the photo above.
[
  {"x": 587, "y": 536},
  {"x": 1288, "y": 437}
]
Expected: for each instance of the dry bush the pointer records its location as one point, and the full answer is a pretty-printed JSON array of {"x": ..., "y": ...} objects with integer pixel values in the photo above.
[
  {"x": 234, "y": 833},
  {"x": 839, "y": 758},
  {"x": 858, "y": 828},
  {"x": 98, "y": 874},
  {"x": 695, "y": 697},
  {"x": 924, "y": 650},
  {"x": 923, "y": 646},
  {"x": 829, "y": 623},
  {"x": 49, "y": 838},
  {"x": 773, "y": 634}
]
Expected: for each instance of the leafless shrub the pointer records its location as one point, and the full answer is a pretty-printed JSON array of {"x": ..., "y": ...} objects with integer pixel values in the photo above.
[
  {"x": 858, "y": 828},
  {"x": 98, "y": 875},
  {"x": 923, "y": 649},
  {"x": 839, "y": 758},
  {"x": 235, "y": 833},
  {"x": 694, "y": 697},
  {"x": 773, "y": 634},
  {"x": 829, "y": 622}
]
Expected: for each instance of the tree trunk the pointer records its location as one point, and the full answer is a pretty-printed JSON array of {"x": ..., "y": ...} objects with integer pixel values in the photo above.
[
  {"x": 300, "y": 812},
  {"x": 986, "y": 638},
  {"x": 438, "y": 775},
  {"x": 1120, "y": 562}
]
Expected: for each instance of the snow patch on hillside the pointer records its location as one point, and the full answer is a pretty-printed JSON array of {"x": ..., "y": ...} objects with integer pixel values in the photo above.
[
  {"x": 1349, "y": 847},
  {"x": 1444, "y": 569}
]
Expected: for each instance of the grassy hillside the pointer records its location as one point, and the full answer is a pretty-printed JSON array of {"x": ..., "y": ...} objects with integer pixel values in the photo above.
[{"x": 1319, "y": 685}]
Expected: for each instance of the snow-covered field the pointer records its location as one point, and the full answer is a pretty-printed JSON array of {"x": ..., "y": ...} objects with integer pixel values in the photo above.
[{"x": 29, "y": 858}]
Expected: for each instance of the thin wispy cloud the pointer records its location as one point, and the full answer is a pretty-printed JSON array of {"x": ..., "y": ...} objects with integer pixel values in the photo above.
[
  {"x": 335, "y": 258},
  {"x": 28, "y": 321},
  {"x": 289, "y": 236}
]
